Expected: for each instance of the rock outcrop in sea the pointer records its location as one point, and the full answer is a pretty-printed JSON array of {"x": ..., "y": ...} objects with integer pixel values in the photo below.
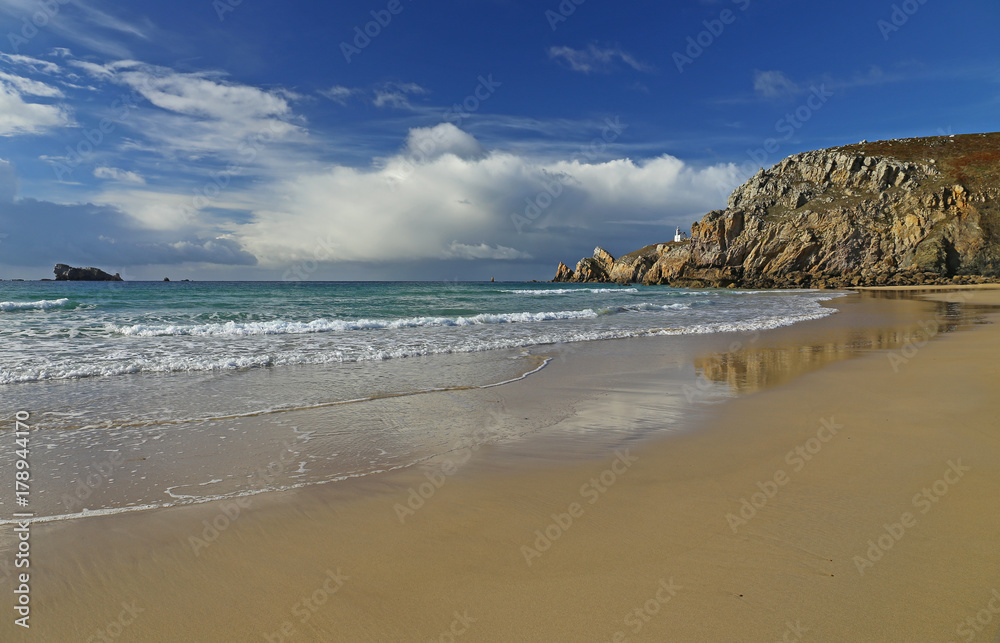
[
  {"x": 909, "y": 211},
  {"x": 68, "y": 273}
]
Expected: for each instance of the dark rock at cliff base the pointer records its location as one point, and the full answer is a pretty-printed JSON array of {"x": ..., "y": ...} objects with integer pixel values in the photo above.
[
  {"x": 899, "y": 212},
  {"x": 68, "y": 273}
]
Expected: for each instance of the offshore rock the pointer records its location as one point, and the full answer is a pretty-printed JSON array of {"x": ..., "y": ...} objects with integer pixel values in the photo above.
[{"x": 67, "y": 273}]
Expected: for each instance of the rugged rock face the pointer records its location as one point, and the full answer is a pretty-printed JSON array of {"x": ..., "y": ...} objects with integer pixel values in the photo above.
[
  {"x": 890, "y": 212},
  {"x": 563, "y": 273},
  {"x": 67, "y": 273},
  {"x": 589, "y": 269}
]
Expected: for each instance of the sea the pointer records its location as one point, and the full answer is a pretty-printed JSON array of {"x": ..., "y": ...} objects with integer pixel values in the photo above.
[{"x": 147, "y": 394}]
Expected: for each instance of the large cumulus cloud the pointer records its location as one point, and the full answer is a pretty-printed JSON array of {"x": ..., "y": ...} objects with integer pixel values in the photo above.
[{"x": 444, "y": 196}]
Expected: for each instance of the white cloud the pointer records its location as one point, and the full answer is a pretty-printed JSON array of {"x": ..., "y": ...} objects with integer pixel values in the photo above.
[
  {"x": 151, "y": 209},
  {"x": 426, "y": 143},
  {"x": 482, "y": 251},
  {"x": 104, "y": 72},
  {"x": 201, "y": 94},
  {"x": 20, "y": 117},
  {"x": 595, "y": 59},
  {"x": 340, "y": 94},
  {"x": 773, "y": 84},
  {"x": 396, "y": 95},
  {"x": 446, "y": 205},
  {"x": 202, "y": 113},
  {"x": 34, "y": 63},
  {"x": 28, "y": 87},
  {"x": 116, "y": 174}
]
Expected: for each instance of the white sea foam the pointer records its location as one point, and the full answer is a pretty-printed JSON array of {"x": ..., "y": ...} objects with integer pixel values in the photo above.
[
  {"x": 280, "y": 327},
  {"x": 315, "y": 356},
  {"x": 33, "y": 305},
  {"x": 566, "y": 291}
]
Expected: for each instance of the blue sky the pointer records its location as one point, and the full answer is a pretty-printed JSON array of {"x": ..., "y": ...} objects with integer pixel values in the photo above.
[{"x": 460, "y": 139}]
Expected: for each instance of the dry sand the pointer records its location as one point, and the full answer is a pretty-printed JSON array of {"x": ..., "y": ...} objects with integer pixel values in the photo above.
[{"x": 844, "y": 543}]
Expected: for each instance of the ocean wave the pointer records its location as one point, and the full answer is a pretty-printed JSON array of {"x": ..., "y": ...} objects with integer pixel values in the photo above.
[
  {"x": 33, "y": 305},
  {"x": 731, "y": 291},
  {"x": 643, "y": 308},
  {"x": 281, "y": 327},
  {"x": 566, "y": 291},
  {"x": 314, "y": 356}
]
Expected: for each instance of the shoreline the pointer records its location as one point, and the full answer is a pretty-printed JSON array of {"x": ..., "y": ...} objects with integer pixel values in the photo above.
[{"x": 661, "y": 518}]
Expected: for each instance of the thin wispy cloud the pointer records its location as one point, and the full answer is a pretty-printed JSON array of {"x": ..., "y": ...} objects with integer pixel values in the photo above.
[
  {"x": 116, "y": 174},
  {"x": 594, "y": 59},
  {"x": 85, "y": 23},
  {"x": 340, "y": 94},
  {"x": 396, "y": 95},
  {"x": 34, "y": 64},
  {"x": 773, "y": 84}
]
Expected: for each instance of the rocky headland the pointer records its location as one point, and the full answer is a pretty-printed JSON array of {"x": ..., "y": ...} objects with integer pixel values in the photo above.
[
  {"x": 897, "y": 212},
  {"x": 68, "y": 273}
]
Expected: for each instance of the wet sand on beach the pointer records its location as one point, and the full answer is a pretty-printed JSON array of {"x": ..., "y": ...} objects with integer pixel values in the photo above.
[{"x": 832, "y": 481}]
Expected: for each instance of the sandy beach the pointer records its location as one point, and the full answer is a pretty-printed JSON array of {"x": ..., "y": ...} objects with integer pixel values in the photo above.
[{"x": 831, "y": 481}]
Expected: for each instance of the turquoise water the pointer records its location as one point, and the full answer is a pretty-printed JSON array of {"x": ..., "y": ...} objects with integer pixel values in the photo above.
[
  {"x": 146, "y": 394},
  {"x": 59, "y": 330}
]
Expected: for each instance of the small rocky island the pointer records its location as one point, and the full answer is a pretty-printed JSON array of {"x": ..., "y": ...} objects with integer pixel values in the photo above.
[
  {"x": 68, "y": 273},
  {"x": 898, "y": 212}
]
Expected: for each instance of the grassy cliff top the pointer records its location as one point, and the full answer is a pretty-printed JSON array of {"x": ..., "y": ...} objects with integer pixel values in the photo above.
[{"x": 972, "y": 160}]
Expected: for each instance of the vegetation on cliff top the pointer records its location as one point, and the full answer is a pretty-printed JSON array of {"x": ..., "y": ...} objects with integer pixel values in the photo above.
[{"x": 972, "y": 160}]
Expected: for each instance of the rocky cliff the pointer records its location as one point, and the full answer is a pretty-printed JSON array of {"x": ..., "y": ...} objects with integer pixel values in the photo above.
[
  {"x": 68, "y": 273},
  {"x": 890, "y": 212}
]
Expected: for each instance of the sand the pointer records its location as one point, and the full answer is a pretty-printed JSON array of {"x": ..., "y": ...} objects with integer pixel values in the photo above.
[{"x": 848, "y": 493}]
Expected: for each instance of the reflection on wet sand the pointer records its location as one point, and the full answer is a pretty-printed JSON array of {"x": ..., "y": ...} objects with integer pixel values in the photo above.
[{"x": 754, "y": 365}]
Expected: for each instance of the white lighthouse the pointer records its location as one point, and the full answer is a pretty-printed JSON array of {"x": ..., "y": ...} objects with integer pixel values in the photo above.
[{"x": 678, "y": 236}]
